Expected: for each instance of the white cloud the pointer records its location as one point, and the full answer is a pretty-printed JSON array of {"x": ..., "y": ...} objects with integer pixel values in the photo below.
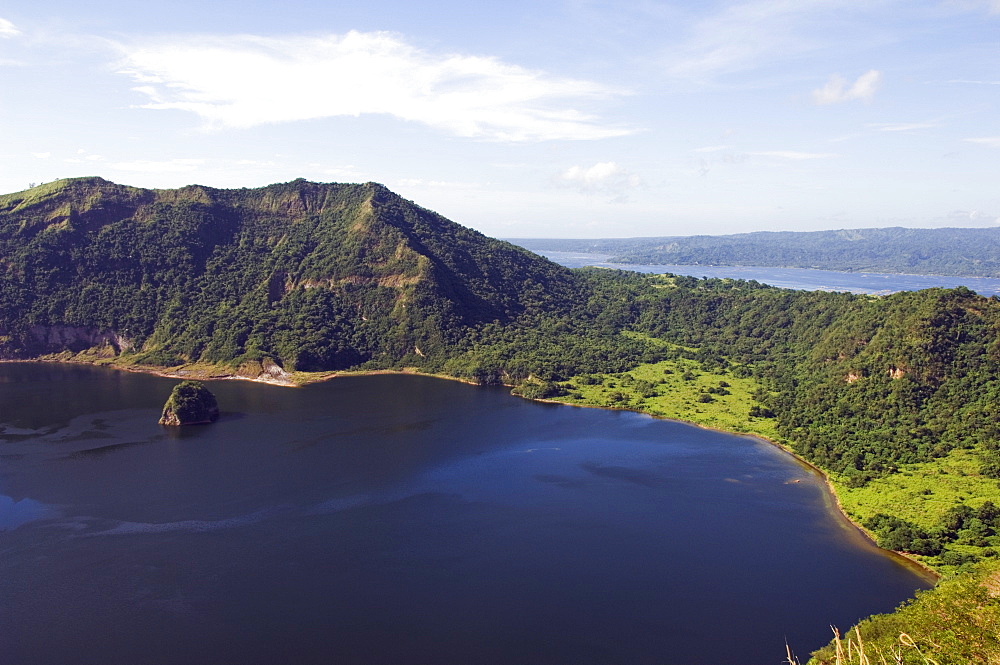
[
  {"x": 793, "y": 155},
  {"x": 991, "y": 141},
  {"x": 601, "y": 177},
  {"x": 838, "y": 89},
  {"x": 246, "y": 81},
  {"x": 713, "y": 148},
  {"x": 8, "y": 29},
  {"x": 41, "y": 155}
]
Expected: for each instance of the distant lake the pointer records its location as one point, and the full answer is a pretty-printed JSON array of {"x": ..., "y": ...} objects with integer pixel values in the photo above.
[
  {"x": 406, "y": 520},
  {"x": 793, "y": 278}
]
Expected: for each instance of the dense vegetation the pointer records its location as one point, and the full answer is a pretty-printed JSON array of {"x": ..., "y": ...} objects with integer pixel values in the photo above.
[
  {"x": 894, "y": 397},
  {"x": 315, "y": 276},
  {"x": 190, "y": 403},
  {"x": 957, "y": 251}
]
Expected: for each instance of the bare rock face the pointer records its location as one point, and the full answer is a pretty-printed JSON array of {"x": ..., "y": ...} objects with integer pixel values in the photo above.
[
  {"x": 265, "y": 370},
  {"x": 190, "y": 403},
  {"x": 271, "y": 371}
]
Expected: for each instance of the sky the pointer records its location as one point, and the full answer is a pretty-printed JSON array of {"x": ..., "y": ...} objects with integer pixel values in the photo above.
[{"x": 569, "y": 119}]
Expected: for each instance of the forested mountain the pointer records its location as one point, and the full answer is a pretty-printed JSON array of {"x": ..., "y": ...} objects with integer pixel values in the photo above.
[
  {"x": 895, "y": 396},
  {"x": 972, "y": 252},
  {"x": 316, "y": 276}
]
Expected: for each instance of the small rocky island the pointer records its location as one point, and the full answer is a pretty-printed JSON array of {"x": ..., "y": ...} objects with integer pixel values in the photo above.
[{"x": 190, "y": 403}]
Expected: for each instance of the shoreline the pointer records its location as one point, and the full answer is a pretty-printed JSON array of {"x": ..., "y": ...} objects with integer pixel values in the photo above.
[
  {"x": 198, "y": 372},
  {"x": 873, "y": 271}
]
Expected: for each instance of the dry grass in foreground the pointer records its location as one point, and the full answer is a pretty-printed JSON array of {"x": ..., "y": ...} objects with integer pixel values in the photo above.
[
  {"x": 955, "y": 623},
  {"x": 852, "y": 650}
]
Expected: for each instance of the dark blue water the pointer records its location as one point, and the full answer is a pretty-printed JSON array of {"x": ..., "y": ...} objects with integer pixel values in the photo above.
[
  {"x": 804, "y": 279},
  {"x": 404, "y": 519}
]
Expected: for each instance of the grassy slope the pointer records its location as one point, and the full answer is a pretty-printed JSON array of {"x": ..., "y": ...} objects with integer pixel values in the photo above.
[
  {"x": 955, "y": 623},
  {"x": 921, "y": 493},
  {"x": 676, "y": 397}
]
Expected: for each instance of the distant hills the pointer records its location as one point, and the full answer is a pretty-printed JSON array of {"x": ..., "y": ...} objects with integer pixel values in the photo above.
[{"x": 967, "y": 252}]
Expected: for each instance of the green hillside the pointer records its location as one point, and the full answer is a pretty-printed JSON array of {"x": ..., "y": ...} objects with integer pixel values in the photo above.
[{"x": 315, "y": 276}]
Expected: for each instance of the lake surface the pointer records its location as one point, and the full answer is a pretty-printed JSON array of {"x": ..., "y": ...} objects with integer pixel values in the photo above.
[
  {"x": 405, "y": 520},
  {"x": 804, "y": 279}
]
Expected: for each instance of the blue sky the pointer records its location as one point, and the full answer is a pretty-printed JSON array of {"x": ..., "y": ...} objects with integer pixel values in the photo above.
[{"x": 527, "y": 119}]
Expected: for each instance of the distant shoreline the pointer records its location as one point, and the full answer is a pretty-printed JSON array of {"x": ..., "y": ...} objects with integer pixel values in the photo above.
[{"x": 808, "y": 279}]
